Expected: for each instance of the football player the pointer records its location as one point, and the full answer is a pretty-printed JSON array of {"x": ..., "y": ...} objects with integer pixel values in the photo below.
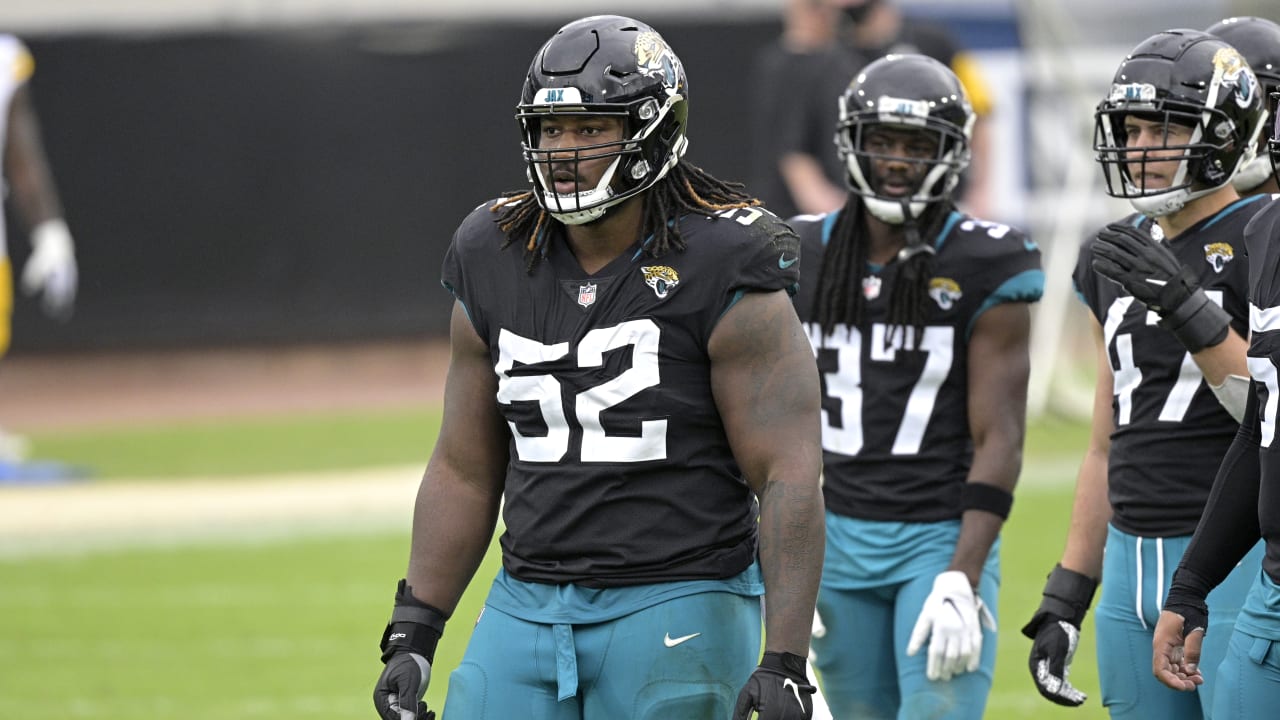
[
  {"x": 919, "y": 316},
  {"x": 1166, "y": 289},
  {"x": 1258, "y": 40},
  {"x": 630, "y": 384},
  {"x": 1242, "y": 507},
  {"x": 51, "y": 269}
]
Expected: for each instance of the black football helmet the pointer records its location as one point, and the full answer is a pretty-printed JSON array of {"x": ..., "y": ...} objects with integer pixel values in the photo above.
[
  {"x": 615, "y": 66},
  {"x": 1188, "y": 78},
  {"x": 913, "y": 92},
  {"x": 1258, "y": 40}
]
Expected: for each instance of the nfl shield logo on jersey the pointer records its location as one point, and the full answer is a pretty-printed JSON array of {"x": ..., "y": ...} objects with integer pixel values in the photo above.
[
  {"x": 587, "y": 294},
  {"x": 871, "y": 287}
]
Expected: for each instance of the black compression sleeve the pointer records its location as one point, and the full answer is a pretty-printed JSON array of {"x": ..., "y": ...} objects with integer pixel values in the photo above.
[{"x": 1229, "y": 525}]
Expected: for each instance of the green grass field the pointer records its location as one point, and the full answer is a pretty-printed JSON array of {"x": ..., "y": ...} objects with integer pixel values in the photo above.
[{"x": 289, "y": 627}]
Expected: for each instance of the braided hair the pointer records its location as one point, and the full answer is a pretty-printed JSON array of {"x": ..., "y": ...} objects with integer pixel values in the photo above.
[
  {"x": 839, "y": 297},
  {"x": 686, "y": 188}
]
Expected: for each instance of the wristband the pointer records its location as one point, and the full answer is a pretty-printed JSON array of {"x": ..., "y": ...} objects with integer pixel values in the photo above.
[
  {"x": 415, "y": 626},
  {"x": 1198, "y": 322},
  {"x": 785, "y": 663},
  {"x": 1067, "y": 596},
  {"x": 988, "y": 498},
  {"x": 1186, "y": 597}
]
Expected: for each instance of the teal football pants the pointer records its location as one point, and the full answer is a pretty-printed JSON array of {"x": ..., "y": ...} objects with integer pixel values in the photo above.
[
  {"x": 1136, "y": 573},
  {"x": 683, "y": 658}
]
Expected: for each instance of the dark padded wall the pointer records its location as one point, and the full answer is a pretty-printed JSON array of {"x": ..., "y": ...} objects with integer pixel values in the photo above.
[{"x": 302, "y": 185}]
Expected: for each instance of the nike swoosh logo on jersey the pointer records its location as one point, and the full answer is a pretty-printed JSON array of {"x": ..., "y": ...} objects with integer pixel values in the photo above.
[
  {"x": 784, "y": 263},
  {"x": 672, "y": 642}
]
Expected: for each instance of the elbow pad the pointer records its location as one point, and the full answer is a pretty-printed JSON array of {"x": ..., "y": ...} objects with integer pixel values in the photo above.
[{"x": 1232, "y": 394}]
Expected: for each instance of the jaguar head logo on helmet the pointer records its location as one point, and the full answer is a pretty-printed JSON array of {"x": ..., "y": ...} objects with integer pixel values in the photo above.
[{"x": 1258, "y": 41}]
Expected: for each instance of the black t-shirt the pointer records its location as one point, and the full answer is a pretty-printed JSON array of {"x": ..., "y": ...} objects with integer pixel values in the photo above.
[
  {"x": 1170, "y": 430},
  {"x": 895, "y": 422},
  {"x": 620, "y": 471},
  {"x": 794, "y": 109}
]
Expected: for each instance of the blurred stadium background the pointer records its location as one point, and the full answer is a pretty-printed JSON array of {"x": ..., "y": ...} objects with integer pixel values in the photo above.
[
  {"x": 261, "y": 192},
  {"x": 274, "y": 172}
]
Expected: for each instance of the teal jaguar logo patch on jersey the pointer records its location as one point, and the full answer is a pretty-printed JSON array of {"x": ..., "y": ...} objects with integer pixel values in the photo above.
[
  {"x": 1218, "y": 255},
  {"x": 661, "y": 278},
  {"x": 945, "y": 292}
]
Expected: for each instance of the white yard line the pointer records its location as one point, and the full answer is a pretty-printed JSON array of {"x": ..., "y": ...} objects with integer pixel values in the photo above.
[{"x": 88, "y": 517}]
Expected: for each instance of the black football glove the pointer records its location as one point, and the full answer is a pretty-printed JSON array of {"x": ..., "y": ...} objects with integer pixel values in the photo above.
[
  {"x": 779, "y": 689},
  {"x": 1055, "y": 630},
  {"x": 1148, "y": 270},
  {"x": 408, "y": 649},
  {"x": 401, "y": 686}
]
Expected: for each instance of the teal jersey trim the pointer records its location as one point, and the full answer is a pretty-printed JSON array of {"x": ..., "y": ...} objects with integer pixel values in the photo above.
[
  {"x": 829, "y": 224},
  {"x": 952, "y": 220},
  {"x": 1233, "y": 207},
  {"x": 1027, "y": 286},
  {"x": 454, "y": 293},
  {"x": 737, "y": 295}
]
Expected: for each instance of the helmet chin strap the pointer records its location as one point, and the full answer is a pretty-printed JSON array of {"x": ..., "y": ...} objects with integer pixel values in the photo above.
[{"x": 911, "y": 226}]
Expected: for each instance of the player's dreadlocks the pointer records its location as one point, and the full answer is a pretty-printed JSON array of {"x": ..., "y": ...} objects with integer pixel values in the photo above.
[
  {"x": 839, "y": 295},
  {"x": 686, "y": 188}
]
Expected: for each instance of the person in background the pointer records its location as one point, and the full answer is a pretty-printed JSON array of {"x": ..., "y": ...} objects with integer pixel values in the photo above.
[
  {"x": 630, "y": 386},
  {"x": 794, "y": 166},
  {"x": 1258, "y": 40},
  {"x": 28, "y": 185},
  {"x": 919, "y": 316},
  {"x": 1166, "y": 287}
]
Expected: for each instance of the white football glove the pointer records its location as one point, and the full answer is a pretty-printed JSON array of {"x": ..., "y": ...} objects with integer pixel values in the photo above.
[
  {"x": 952, "y": 620},
  {"x": 51, "y": 269}
]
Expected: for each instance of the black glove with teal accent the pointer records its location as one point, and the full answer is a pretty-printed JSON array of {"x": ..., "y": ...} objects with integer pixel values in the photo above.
[
  {"x": 779, "y": 689},
  {"x": 408, "y": 649},
  {"x": 1148, "y": 270}
]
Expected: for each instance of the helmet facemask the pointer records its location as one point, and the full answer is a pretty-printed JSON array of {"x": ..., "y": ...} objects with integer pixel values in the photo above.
[
  {"x": 1200, "y": 170},
  {"x": 639, "y": 160},
  {"x": 1273, "y": 145},
  {"x": 941, "y": 173}
]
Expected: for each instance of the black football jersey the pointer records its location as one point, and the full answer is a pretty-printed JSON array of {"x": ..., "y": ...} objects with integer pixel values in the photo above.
[
  {"x": 1262, "y": 240},
  {"x": 620, "y": 471},
  {"x": 895, "y": 416},
  {"x": 1170, "y": 430}
]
